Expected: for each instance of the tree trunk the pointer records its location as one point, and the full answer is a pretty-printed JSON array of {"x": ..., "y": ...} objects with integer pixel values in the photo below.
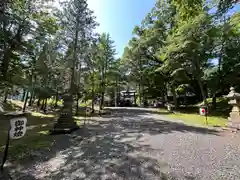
[
  {"x": 164, "y": 97},
  {"x": 174, "y": 97},
  {"x": 34, "y": 98},
  {"x": 140, "y": 96},
  {"x": 93, "y": 98},
  {"x": 214, "y": 102},
  {"x": 202, "y": 91},
  {"x": 115, "y": 99},
  {"x": 116, "y": 95},
  {"x": 198, "y": 78},
  {"x": 45, "y": 106},
  {"x": 7, "y": 50},
  {"x": 185, "y": 99},
  {"x": 25, "y": 102},
  {"x": 93, "y": 92},
  {"x": 23, "y": 96},
  {"x": 77, "y": 105},
  {"x": 38, "y": 102},
  {"x": 42, "y": 105},
  {"x": 135, "y": 99},
  {"x": 165, "y": 92},
  {"x": 5, "y": 63},
  {"x": 221, "y": 53},
  {"x": 143, "y": 97},
  {"x": 93, "y": 106},
  {"x": 56, "y": 100},
  {"x": 31, "y": 98},
  {"x": 5, "y": 96},
  {"x": 32, "y": 82},
  {"x": 102, "y": 101}
]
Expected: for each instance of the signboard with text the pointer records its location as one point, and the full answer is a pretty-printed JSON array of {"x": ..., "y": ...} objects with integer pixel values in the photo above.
[{"x": 18, "y": 127}]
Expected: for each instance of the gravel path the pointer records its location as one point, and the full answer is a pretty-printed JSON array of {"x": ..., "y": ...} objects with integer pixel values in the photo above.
[{"x": 137, "y": 144}]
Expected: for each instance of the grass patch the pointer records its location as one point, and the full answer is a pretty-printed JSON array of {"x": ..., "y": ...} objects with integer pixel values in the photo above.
[
  {"x": 41, "y": 115},
  {"x": 216, "y": 117},
  {"x": 23, "y": 148},
  {"x": 162, "y": 110},
  {"x": 12, "y": 106},
  {"x": 85, "y": 103},
  {"x": 222, "y": 107},
  {"x": 35, "y": 138},
  {"x": 52, "y": 101},
  {"x": 190, "y": 116},
  {"x": 221, "y": 101},
  {"x": 195, "y": 119},
  {"x": 79, "y": 120}
]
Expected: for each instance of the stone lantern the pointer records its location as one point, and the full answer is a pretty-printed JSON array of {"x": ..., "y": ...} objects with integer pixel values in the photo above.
[{"x": 234, "y": 115}]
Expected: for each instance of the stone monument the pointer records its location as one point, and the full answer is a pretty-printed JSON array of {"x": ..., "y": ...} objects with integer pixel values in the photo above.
[
  {"x": 65, "y": 123},
  {"x": 234, "y": 115}
]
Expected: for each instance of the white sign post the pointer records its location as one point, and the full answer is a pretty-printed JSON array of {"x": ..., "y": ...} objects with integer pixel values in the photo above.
[
  {"x": 203, "y": 111},
  {"x": 17, "y": 129},
  {"x": 169, "y": 107}
]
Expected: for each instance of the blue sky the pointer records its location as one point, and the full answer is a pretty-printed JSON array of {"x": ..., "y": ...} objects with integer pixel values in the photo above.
[{"x": 118, "y": 18}]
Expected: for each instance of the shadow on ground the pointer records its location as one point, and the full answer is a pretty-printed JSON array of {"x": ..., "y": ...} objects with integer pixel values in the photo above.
[{"x": 107, "y": 149}]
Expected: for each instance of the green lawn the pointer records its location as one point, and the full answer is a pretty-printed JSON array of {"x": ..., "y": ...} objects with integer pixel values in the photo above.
[
  {"x": 189, "y": 115},
  {"x": 221, "y": 102},
  {"x": 36, "y": 136},
  {"x": 194, "y": 118},
  {"x": 51, "y": 102}
]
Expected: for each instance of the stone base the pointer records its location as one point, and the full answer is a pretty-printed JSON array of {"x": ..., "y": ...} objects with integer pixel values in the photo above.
[
  {"x": 233, "y": 125},
  {"x": 63, "y": 131},
  {"x": 63, "y": 128}
]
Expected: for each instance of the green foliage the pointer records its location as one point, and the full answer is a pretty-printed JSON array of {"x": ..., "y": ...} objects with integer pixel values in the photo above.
[
  {"x": 183, "y": 37},
  {"x": 48, "y": 51}
]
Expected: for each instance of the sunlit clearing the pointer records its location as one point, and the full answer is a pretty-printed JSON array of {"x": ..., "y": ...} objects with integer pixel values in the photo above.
[{"x": 37, "y": 114}]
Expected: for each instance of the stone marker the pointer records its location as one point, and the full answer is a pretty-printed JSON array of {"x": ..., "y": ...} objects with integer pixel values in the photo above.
[
  {"x": 65, "y": 123},
  {"x": 234, "y": 115}
]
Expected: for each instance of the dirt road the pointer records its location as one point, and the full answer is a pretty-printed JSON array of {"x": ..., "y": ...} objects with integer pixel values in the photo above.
[{"x": 134, "y": 144}]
